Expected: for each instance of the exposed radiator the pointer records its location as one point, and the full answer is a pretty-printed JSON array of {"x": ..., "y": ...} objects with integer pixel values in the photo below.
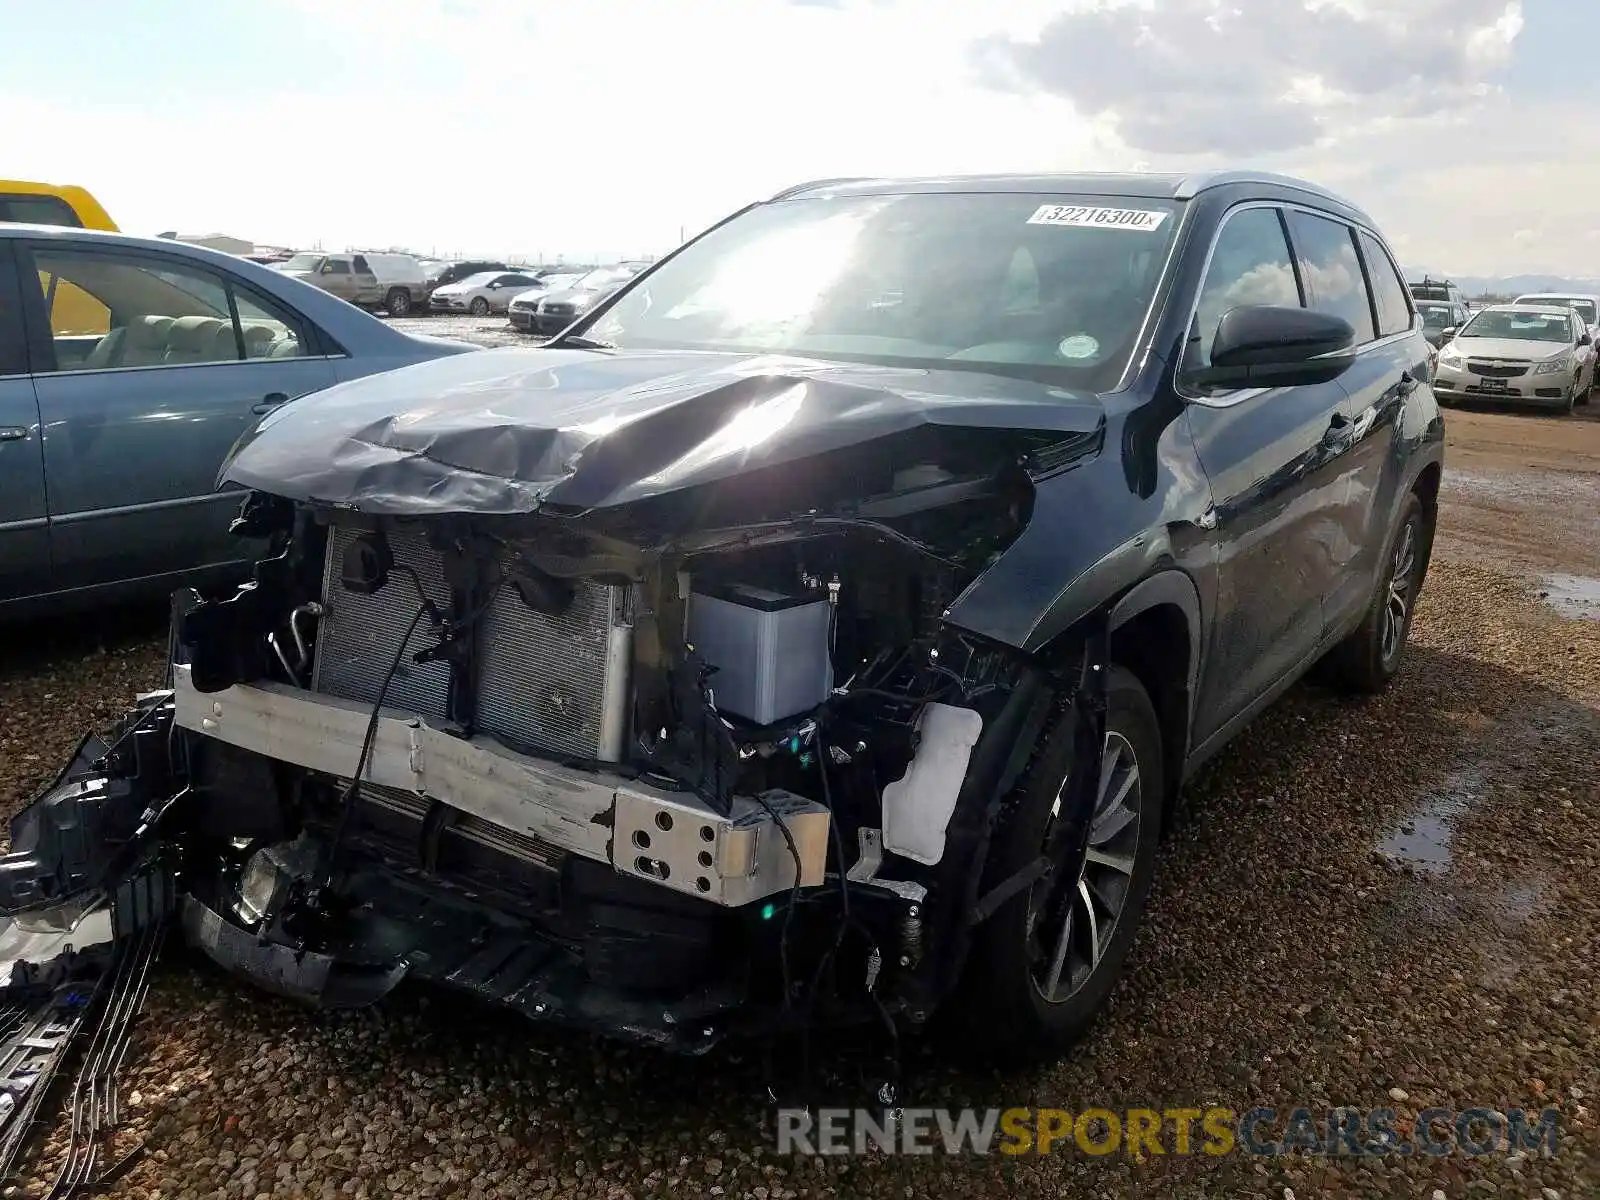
[{"x": 556, "y": 685}]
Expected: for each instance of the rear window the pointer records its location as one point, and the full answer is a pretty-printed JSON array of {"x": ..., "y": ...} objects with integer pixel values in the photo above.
[{"x": 38, "y": 210}]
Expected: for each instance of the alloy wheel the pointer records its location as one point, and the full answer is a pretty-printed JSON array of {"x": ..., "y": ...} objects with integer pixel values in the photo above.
[
  {"x": 1073, "y": 916},
  {"x": 1397, "y": 604}
]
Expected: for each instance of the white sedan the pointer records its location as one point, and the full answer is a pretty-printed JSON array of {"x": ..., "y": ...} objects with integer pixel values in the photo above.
[
  {"x": 481, "y": 294},
  {"x": 1518, "y": 353}
]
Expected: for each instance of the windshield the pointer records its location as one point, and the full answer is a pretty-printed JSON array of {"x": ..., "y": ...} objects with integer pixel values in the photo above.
[
  {"x": 1524, "y": 326},
  {"x": 1435, "y": 316},
  {"x": 1586, "y": 308},
  {"x": 301, "y": 262},
  {"x": 1044, "y": 286}
]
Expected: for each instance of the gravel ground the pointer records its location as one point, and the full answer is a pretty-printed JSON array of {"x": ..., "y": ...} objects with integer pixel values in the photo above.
[{"x": 1394, "y": 898}]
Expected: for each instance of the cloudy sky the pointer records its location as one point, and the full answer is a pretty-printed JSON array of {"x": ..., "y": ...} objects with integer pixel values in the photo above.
[{"x": 1467, "y": 127}]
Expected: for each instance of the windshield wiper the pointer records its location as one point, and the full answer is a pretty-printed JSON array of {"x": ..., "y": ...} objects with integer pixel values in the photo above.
[{"x": 578, "y": 342}]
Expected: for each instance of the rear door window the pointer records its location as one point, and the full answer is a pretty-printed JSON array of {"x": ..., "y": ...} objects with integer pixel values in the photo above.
[
  {"x": 155, "y": 313},
  {"x": 1332, "y": 271},
  {"x": 1388, "y": 289}
]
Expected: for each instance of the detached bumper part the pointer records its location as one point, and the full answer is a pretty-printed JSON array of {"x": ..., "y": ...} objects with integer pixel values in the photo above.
[{"x": 669, "y": 838}]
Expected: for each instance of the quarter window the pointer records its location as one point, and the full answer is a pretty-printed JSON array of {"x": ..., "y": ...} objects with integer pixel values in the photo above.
[
  {"x": 1388, "y": 289},
  {"x": 1250, "y": 264},
  {"x": 108, "y": 312},
  {"x": 267, "y": 334},
  {"x": 1332, "y": 272}
]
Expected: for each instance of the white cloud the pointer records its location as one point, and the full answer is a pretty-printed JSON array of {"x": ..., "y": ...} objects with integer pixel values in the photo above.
[{"x": 496, "y": 126}]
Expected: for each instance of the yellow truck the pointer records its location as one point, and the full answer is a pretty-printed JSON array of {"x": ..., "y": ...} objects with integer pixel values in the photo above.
[{"x": 74, "y": 310}]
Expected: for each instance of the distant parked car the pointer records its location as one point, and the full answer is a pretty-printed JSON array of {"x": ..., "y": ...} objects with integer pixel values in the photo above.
[
  {"x": 403, "y": 280},
  {"x": 348, "y": 276},
  {"x": 454, "y": 272},
  {"x": 559, "y": 309},
  {"x": 525, "y": 304},
  {"x": 1519, "y": 353},
  {"x": 1587, "y": 306},
  {"x": 1438, "y": 289},
  {"x": 1440, "y": 320},
  {"x": 481, "y": 294},
  {"x": 142, "y": 396}
]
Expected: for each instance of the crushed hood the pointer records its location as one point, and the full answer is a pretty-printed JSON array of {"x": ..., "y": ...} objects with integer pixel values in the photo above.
[{"x": 508, "y": 431}]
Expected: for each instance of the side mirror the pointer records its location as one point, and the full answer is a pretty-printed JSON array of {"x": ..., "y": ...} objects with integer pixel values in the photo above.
[
  {"x": 1267, "y": 345},
  {"x": 1446, "y": 334},
  {"x": 1584, "y": 339}
]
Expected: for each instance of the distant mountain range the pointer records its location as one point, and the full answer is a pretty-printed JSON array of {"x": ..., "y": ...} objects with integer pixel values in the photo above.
[{"x": 1509, "y": 285}]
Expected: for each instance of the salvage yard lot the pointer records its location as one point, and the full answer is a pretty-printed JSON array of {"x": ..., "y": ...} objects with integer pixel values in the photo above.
[{"x": 1359, "y": 897}]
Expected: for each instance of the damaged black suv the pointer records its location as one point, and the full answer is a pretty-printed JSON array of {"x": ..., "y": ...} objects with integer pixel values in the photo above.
[{"x": 819, "y": 630}]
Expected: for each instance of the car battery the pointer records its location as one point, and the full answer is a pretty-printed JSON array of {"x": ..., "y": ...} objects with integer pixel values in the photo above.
[{"x": 770, "y": 650}]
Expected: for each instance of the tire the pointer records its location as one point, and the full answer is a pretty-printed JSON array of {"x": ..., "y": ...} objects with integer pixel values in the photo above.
[
  {"x": 479, "y": 307},
  {"x": 1000, "y": 1009},
  {"x": 398, "y": 302},
  {"x": 1365, "y": 662}
]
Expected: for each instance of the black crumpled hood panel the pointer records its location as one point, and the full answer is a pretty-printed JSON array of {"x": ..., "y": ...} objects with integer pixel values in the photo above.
[{"x": 507, "y": 431}]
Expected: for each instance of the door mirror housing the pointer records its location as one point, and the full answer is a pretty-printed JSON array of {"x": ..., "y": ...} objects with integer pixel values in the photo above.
[
  {"x": 1585, "y": 340},
  {"x": 1447, "y": 334},
  {"x": 1269, "y": 345}
]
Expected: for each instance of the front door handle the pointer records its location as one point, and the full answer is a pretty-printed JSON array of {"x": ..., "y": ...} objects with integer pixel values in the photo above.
[
  {"x": 13, "y": 433},
  {"x": 269, "y": 402}
]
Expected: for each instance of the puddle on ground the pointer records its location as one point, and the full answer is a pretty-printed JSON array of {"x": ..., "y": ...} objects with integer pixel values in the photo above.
[
  {"x": 1576, "y": 596},
  {"x": 1422, "y": 839}
]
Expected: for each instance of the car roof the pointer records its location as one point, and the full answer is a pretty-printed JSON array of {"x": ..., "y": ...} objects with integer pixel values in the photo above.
[
  {"x": 1152, "y": 185},
  {"x": 1553, "y": 296},
  {"x": 1560, "y": 310}
]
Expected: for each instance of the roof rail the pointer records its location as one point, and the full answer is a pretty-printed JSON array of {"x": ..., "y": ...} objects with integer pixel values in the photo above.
[{"x": 816, "y": 183}]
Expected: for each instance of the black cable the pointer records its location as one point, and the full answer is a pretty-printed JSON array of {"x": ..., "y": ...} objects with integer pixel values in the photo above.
[
  {"x": 347, "y": 801},
  {"x": 794, "y": 898}
]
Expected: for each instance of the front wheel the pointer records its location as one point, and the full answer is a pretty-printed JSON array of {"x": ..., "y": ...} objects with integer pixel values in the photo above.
[
  {"x": 1043, "y": 966},
  {"x": 1369, "y": 658},
  {"x": 397, "y": 302},
  {"x": 479, "y": 307}
]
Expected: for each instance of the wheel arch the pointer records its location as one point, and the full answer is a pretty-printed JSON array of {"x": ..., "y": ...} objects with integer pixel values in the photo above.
[{"x": 1155, "y": 633}]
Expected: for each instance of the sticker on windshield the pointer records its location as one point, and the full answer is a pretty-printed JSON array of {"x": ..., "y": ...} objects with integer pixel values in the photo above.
[
  {"x": 1079, "y": 345},
  {"x": 1142, "y": 220}
]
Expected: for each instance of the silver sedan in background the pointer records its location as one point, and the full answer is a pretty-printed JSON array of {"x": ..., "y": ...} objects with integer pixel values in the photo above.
[{"x": 1519, "y": 353}]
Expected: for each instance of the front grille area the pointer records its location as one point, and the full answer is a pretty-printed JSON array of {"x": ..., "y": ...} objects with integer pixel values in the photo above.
[
  {"x": 554, "y": 685},
  {"x": 1494, "y": 370},
  {"x": 557, "y": 310}
]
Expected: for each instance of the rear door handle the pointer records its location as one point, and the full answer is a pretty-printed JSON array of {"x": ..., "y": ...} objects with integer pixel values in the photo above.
[
  {"x": 13, "y": 433},
  {"x": 269, "y": 402}
]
